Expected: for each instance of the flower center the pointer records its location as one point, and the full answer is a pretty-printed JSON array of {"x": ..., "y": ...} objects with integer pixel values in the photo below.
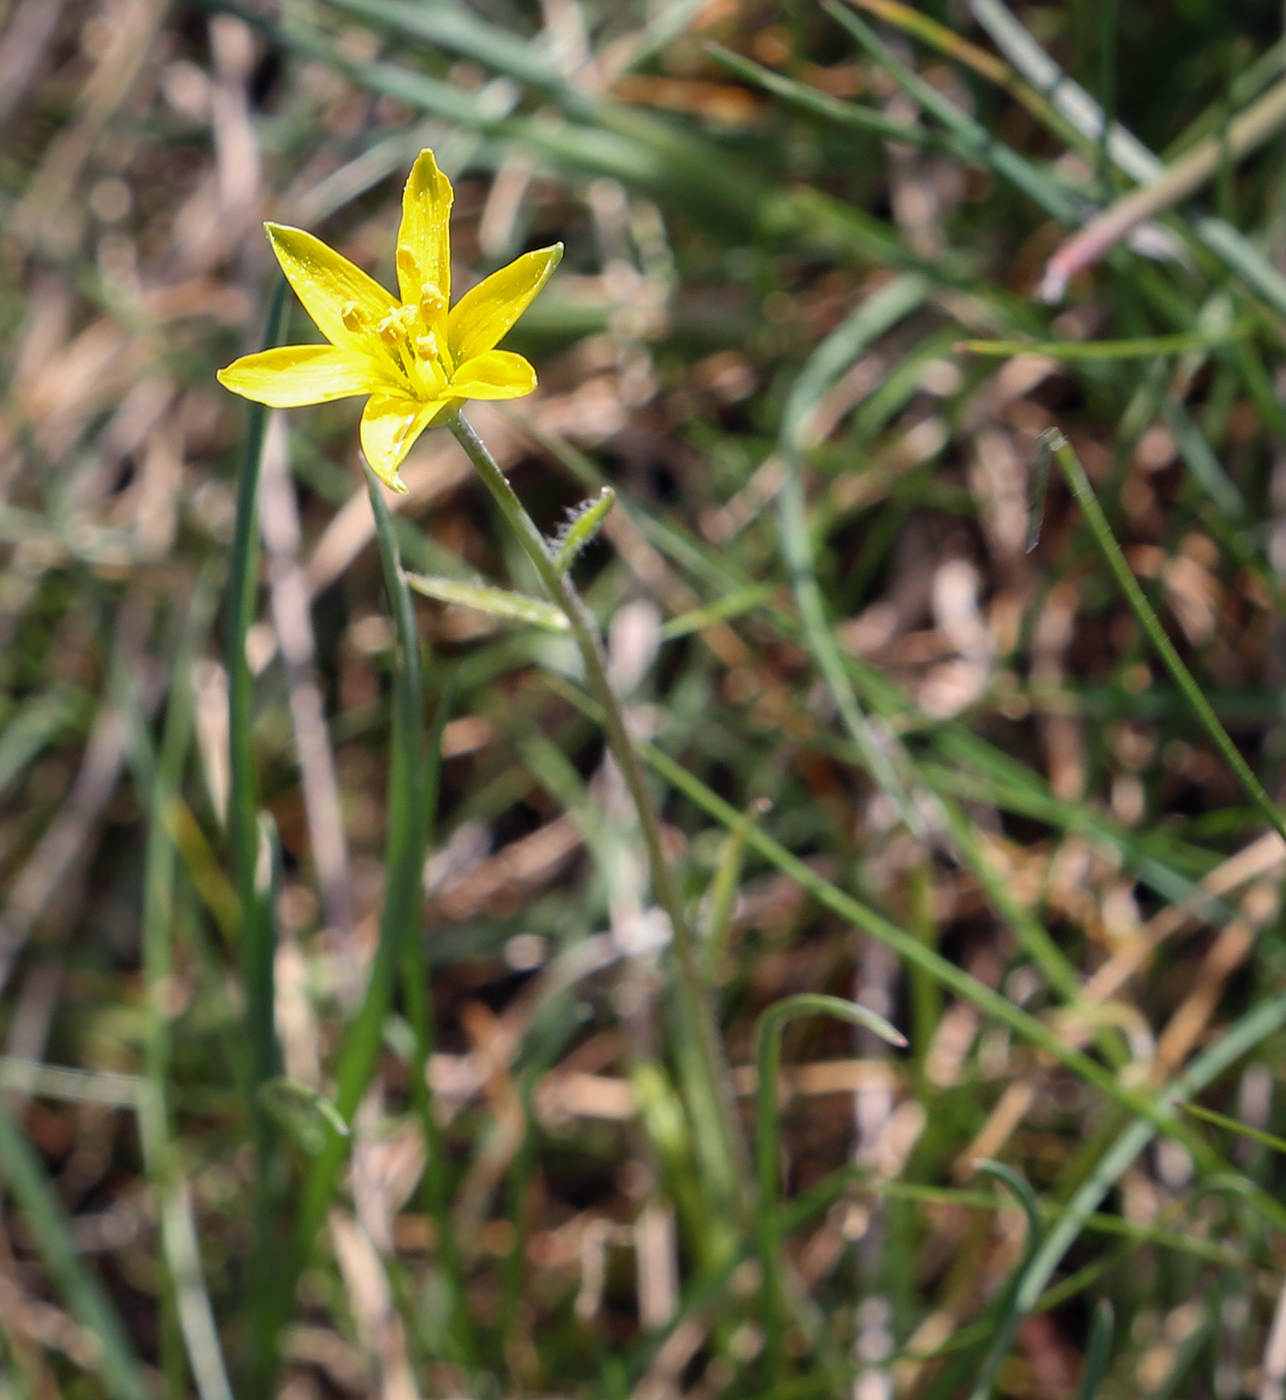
[{"x": 411, "y": 332}]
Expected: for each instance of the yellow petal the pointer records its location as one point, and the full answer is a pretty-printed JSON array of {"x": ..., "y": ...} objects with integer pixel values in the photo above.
[
  {"x": 425, "y": 231},
  {"x": 346, "y": 304},
  {"x": 298, "y": 374},
  {"x": 390, "y": 426},
  {"x": 482, "y": 316},
  {"x": 495, "y": 374}
]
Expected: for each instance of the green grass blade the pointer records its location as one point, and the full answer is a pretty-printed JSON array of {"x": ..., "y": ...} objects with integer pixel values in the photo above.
[
  {"x": 1151, "y": 624},
  {"x": 1242, "y": 1037},
  {"x": 36, "y": 725},
  {"x": 457, "y": 30},
  {"x": 1125, "y": 150},
  {"x": 768, "y": 1036},
  {"x": 836, "y": 353},
  {"x": 1005, "y": 1317},
  {"x": 1155, "y": 1115},
  {"x": 994, "y": 154},
  {"x": 1141, "y": 347},
  {"x": 1099, "y": 1350},
  {"x": 256, "y": 930},
  {"x": 181, "y": 1253},
  {"x": 399, "y": 921},
  {"x": 822, "y": 104},
  {"x": 435, "y": 1183},
  {"x": 1221, "y": 1120},
  {"x": 25, "y": 1179}
]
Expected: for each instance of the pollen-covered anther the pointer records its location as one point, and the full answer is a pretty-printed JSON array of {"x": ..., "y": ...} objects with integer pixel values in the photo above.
[
  {"x": 407, "y": 266},
  {"x": 432, "y": 302},
  {"x": 351, "y": 315},
  {"x": 398, "y": 326},
  {"x": 426, "y": 346}
]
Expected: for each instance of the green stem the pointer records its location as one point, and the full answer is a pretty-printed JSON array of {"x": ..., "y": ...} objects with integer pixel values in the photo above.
[
  {"x": 584, "y": 630},
  {"x": 1151, "y": 624}
]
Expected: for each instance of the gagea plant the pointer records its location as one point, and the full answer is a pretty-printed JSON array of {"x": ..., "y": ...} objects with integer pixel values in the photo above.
[{"x": 419, "y": 359}]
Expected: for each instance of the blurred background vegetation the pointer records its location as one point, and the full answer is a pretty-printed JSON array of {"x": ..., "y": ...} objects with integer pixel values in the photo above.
[{"x": 820, "y": 313}]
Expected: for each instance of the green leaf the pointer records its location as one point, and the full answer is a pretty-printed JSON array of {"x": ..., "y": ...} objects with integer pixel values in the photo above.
[
  {"x": 585, "y": 522},
  {"x": 497, "y": 602},
  {"x": 307, "y": 1115}
]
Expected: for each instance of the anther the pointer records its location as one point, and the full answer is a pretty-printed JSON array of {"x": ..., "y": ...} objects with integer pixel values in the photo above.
[
  {"x": 390, "y": 330},
  {"x": 351, "y": 316},
  {"x": 407, "y": 267},
  {"x": 426, "y": 346},
  {"x": 432, "y": 302}
]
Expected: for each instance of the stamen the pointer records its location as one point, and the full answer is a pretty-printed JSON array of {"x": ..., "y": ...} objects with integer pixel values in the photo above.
[
  {"x": 351, "y": 315},
  {"x": 391, "y": 331},
  {"x": 432, "y": 302},
  {"x": 407, "y": 266},
  {"x": 426, "y": 346}
]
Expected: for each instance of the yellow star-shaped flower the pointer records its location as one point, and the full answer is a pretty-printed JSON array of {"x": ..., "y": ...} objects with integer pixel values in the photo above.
[{"x": 417, "y": 359}]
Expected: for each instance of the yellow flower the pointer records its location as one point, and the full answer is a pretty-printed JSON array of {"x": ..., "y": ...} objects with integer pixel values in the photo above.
[{"x": 416, "y": 359}]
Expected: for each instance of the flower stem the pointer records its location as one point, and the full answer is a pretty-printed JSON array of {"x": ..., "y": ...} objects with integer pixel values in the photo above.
[{"x": 696, "y": 1007}]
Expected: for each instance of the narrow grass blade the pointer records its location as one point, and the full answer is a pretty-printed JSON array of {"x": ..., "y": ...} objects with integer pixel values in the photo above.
[
  {"x": 1040, "y": 489},
  {"x": 994, "y": 154},
  {"x": 302, "y": 1111},
  {"x": 1006, "y": 1317},
  {"x": 822, "y": 104},
  {"x": 256, "y": 930},
  {"x": 1242, "y": 1037},
  {"x": 836, "y": 353},
  {"x": 1221, "y": 1120},
  {"x": 25, "y": 1179},
  {"x": 36, "y": 724},
  {"x": 435, "y": 1184},
  {"x": 1099, "y": 1350},
  {"x": 722, "y": 894},
  {"x": 911, "y": 950},
  {"x": 1125, "y": 150},
  {"x": 1027, "y": 1198},
  {"x": 740, "y": 600},
  {"x": 768, "y": 1035},
  {"x": 1142, "y": 347},
  {"x": 399, "y": 920},
  {"x": 455, "y": 29},
  {"x": 936, "y": 35},
  {"x": 1248, "y": 130},
  {"x": 1202, "y": 464},
  {"x": 1151, "y": 624},
  {"x": 188, "y": 1294}
]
